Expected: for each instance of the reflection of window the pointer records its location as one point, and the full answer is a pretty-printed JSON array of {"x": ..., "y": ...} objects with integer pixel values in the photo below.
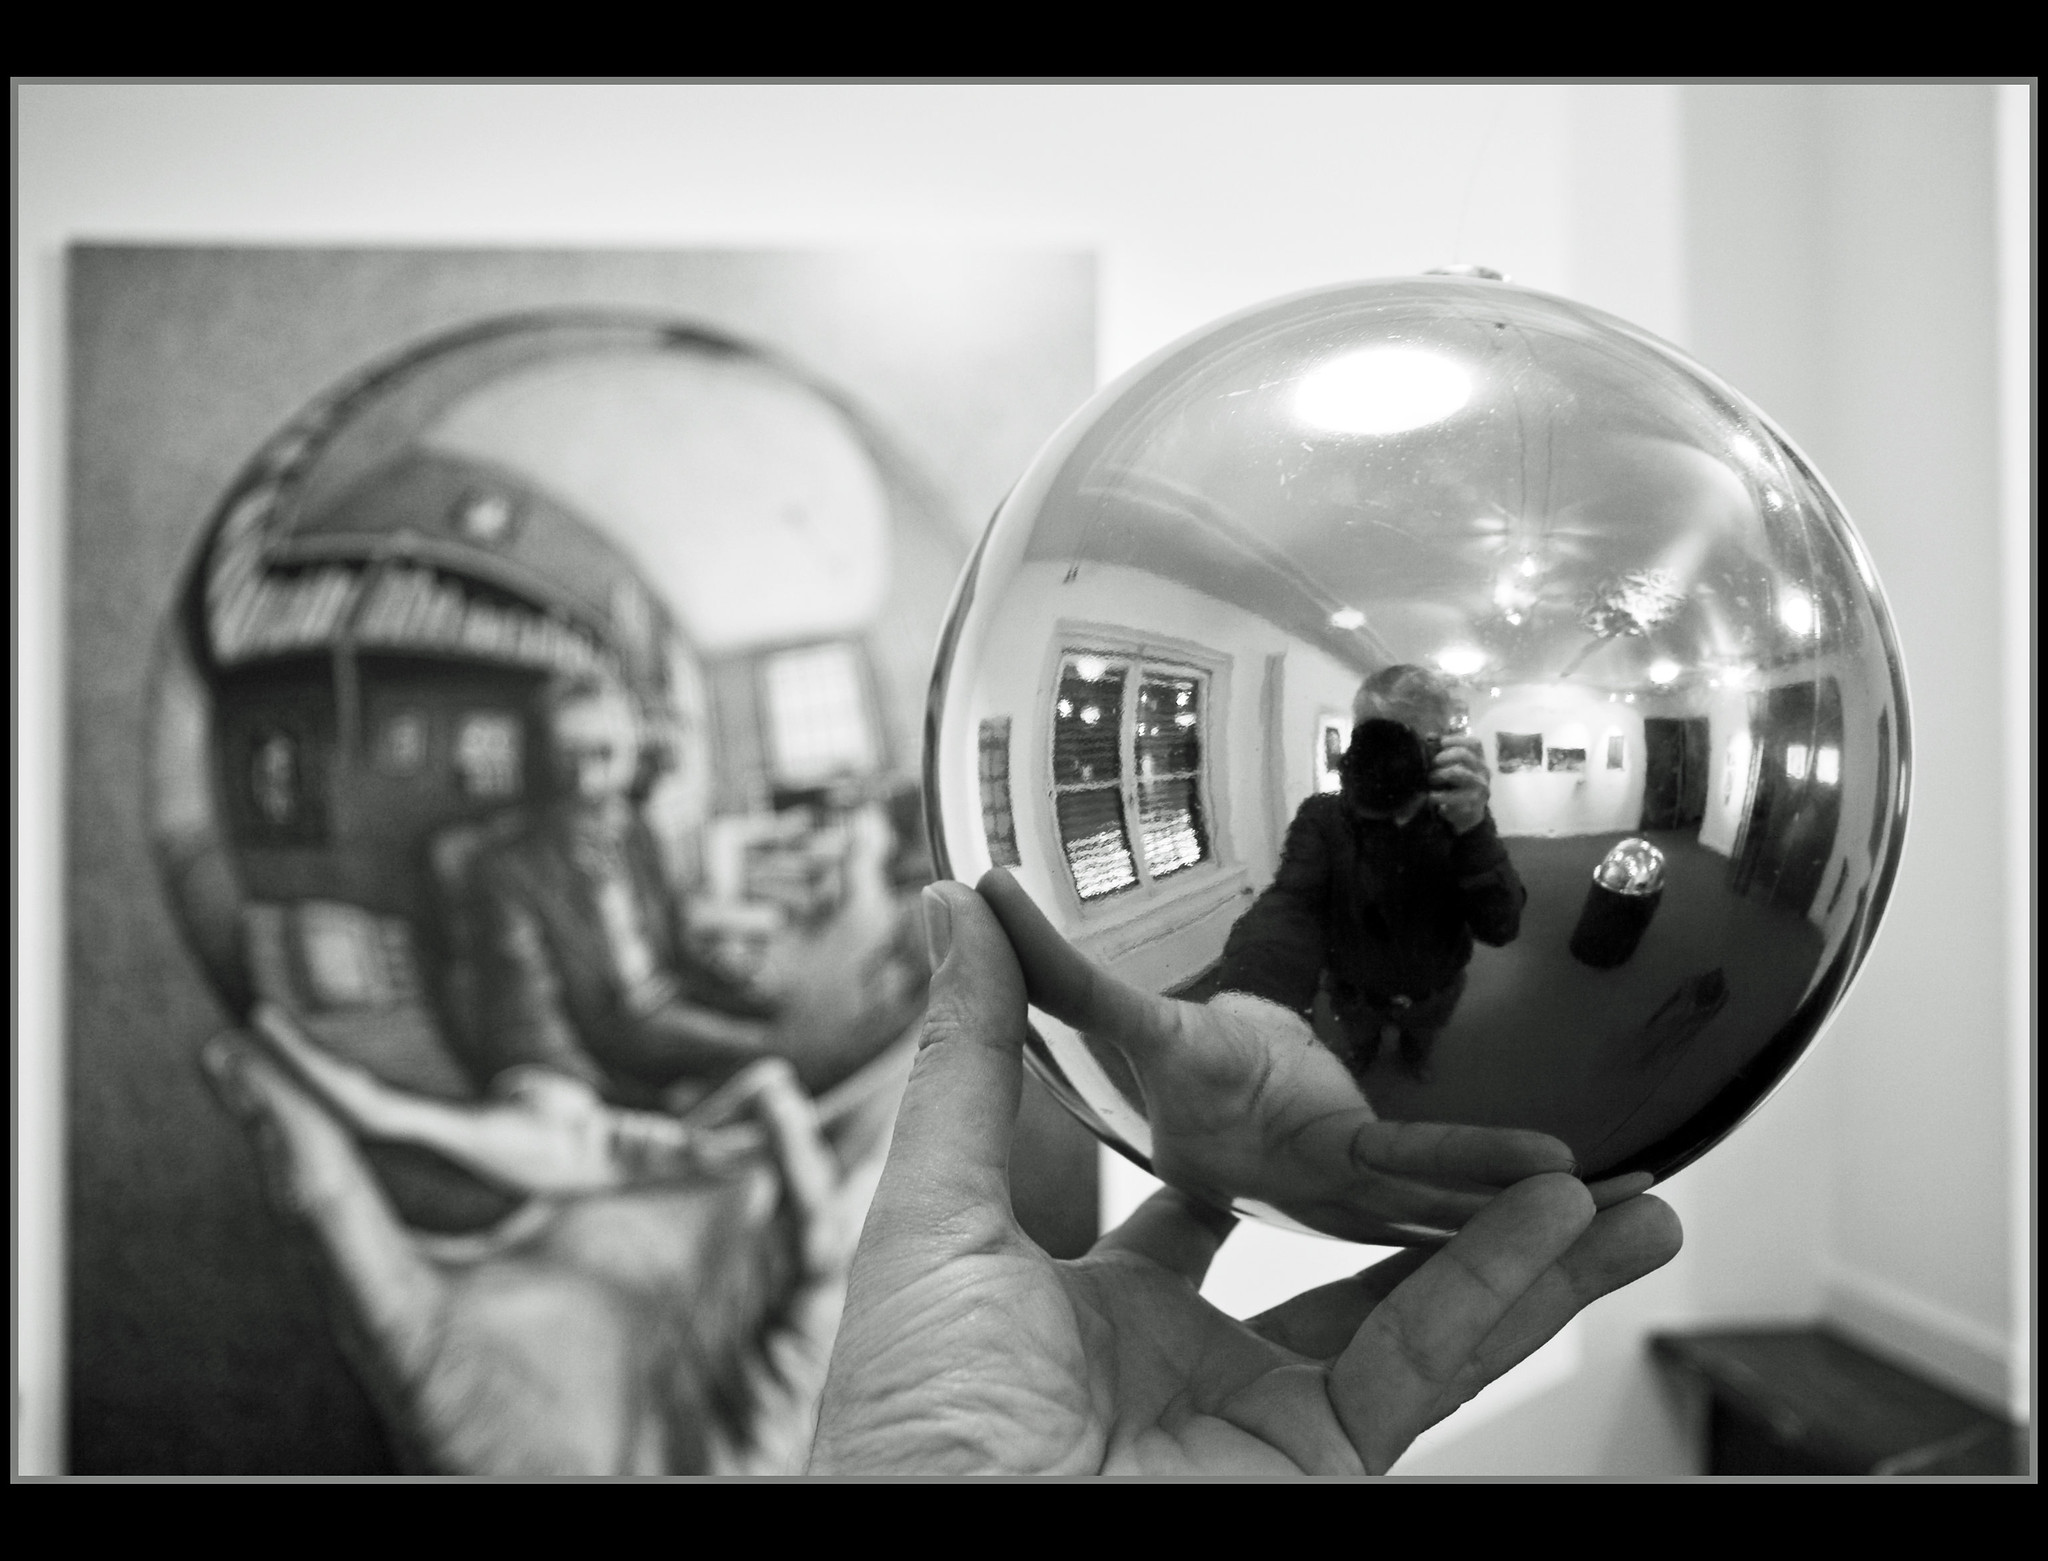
[
  {"x": 1127, "y": 761},
  {"x": 1617, "y": 751},
  {"x": 351, "y": 958},
  {"x": 1572, "y": 759},
  {"x": 1518, "y": 751},
  {"x": 402, "y": 743},
  {"x": 488, "y": 754},
  {"x": 817, "y": 715},
  {"x": 279, "y": 747},
  {"x": 274, "y": 780},
  {"x": 998, "y": 822}
]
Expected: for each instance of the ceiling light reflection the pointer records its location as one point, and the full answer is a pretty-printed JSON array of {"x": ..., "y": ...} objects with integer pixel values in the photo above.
[
  {"x": 1795, "y": 611},
  {"x": 1381, "y": 390}
]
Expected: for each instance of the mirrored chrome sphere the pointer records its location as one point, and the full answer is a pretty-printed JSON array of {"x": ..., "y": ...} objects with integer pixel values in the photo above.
[{"x": 1463, "y": 674}]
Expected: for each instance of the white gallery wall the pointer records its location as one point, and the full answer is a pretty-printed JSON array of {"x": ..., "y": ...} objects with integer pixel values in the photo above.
[{"x": 1835, "y": 251}]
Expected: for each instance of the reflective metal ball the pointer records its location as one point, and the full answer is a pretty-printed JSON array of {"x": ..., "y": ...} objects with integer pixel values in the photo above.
[{"x": 1660, "y": 747}]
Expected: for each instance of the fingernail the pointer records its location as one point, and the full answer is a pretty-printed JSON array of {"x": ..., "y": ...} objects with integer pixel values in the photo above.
[{"x": 938, "y": 925}]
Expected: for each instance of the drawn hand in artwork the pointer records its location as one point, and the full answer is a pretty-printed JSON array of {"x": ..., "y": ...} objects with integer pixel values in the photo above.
[
  {"x": 1244, "y": 1102},
  {"x": 665, "y": 1302}
]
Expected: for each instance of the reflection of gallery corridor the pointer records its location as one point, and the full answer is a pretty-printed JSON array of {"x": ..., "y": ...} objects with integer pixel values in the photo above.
[{"x": 1552, "y": 1049}]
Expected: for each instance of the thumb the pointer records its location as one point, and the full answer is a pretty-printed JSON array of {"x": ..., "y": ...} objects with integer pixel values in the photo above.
[
  {"x": 1065, "y": 983},
  {"x": 950, "y": 1156}
]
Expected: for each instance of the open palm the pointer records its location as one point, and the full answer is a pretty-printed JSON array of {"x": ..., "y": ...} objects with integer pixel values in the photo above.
[
  {"x": 1243, "y": 1102},
  {"x": 966, "y": 1349}
]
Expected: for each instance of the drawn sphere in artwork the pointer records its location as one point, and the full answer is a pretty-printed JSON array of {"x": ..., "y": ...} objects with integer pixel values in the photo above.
[{"x": 437, "y": 580}]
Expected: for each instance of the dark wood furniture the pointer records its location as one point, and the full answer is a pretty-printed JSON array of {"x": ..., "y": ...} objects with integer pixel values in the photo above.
[{"x": 1806, "y": 1401}]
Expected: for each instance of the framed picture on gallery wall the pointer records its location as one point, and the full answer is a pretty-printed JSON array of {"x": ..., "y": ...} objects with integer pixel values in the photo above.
[
  {"x": 1333, "y": 736},
  {"x": 1569, "y": 760},
  {"x": 1515, "y": 751}
]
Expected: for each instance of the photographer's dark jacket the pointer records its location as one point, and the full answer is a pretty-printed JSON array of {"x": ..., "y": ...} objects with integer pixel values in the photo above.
[{"x": 1390, "y": 911}]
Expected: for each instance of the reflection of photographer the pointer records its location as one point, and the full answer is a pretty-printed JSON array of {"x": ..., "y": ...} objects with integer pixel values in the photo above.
[{"x": 1383, "y": 886}]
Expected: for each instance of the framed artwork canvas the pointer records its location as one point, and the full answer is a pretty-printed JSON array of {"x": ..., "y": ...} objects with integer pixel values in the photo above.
[{"x": 495, "y": 678}]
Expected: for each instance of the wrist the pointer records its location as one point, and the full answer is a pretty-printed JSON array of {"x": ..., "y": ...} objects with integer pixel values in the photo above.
[{"x": 1475, "y": 831}]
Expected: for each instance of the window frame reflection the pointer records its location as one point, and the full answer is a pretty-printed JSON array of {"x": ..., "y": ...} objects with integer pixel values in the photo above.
[{"x": 1138, "y": 663}]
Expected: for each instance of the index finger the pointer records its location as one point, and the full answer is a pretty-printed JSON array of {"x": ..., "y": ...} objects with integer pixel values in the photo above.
[{"x": 1449, "y": 1153}]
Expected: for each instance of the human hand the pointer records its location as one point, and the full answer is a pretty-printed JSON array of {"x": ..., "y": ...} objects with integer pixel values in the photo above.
[
  {"x": 678, "y": 1319},
  {"x": 1460, "y": 782},
  {"x": 965, "y": 1349},
  {"x": 1242, "y": 1101}
]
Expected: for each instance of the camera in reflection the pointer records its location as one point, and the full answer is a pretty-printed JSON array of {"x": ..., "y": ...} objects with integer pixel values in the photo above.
[{"x": 1386, "y": 768}]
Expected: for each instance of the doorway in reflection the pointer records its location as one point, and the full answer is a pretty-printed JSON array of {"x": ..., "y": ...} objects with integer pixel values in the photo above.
[
  {"x": 1674, "y": 771},
  {"x": 1797, "y": 810}
]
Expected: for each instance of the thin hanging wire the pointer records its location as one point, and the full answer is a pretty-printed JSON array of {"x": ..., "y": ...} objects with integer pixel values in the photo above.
[{"x": 1472, "y": 179}]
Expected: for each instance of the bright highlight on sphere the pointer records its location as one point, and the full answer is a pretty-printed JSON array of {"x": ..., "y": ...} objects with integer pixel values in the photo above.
[
  {"x": 1662, "y": 672},
  {"x": 1461, "y": 661},
  {"x": 1381, "y": 390},
  {"x": 1347, "y": 618},
  {"x": 1795, "y": 611}
]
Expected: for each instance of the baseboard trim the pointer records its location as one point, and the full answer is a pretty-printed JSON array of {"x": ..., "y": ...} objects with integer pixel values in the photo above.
[{"x": 1958, "y": 1352}]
